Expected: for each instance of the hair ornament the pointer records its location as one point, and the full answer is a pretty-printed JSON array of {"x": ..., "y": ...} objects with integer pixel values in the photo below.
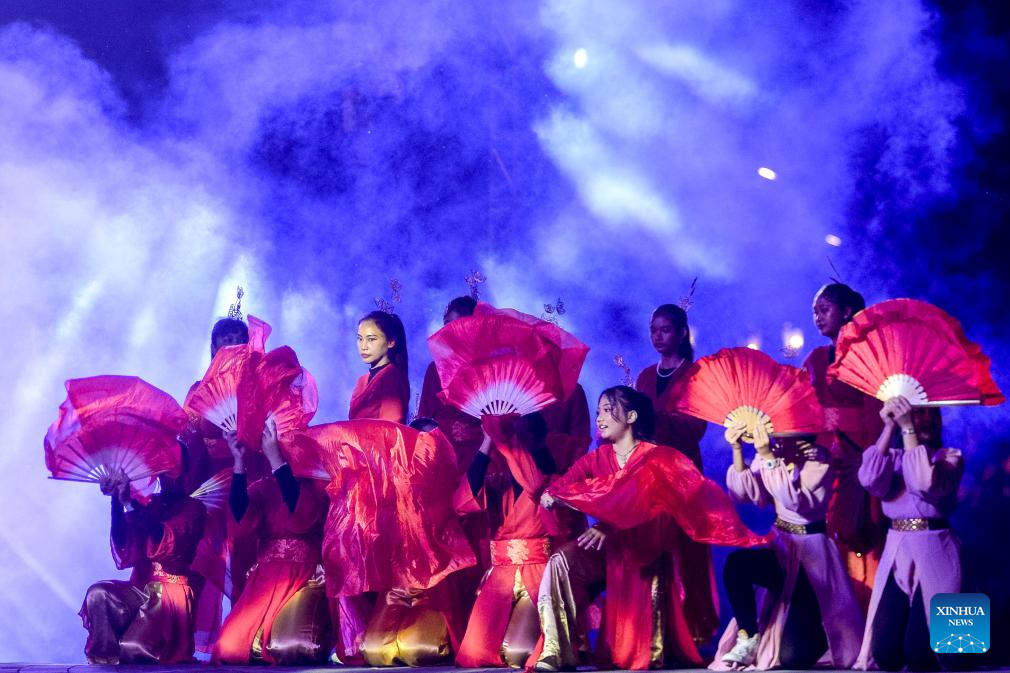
[
  {"x": 626, "y": 378},
  {"x": 687, "y": 301},
  {"x": 473, "y": 281},
  {"x": 235, "y": 310}
]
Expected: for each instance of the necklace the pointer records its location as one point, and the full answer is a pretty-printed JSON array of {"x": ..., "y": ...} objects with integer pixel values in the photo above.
[
  {"x": 660, "y": 374},
  {"x": 626, "y": 453}
]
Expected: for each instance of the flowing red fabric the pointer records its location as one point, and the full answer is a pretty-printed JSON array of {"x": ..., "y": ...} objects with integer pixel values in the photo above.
[
  {"x": 723, "y": 382},
  {"x": 284, "y": 392},
  {"x": 573, "y": 351},
  {"x": 656, "y": 481},
  {"x": 391, "y": 522},
  {"x": 229, "y": 382},
  {"x": 500, "y": 361},
  {"x": 245, "y": 386},
  {"x": 108, "y": 423},
  {"x": 906, "y": 336}
]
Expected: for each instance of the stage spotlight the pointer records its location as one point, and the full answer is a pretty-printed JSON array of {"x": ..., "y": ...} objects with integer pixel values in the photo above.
[
  {"x": 831, "y": 239},
  {"x": 580, "y": 58},
  {"x": 767, "y": 173}
]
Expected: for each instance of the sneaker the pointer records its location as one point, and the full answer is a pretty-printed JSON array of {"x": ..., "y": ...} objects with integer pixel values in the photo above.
[{"x": 744, "y": 652}]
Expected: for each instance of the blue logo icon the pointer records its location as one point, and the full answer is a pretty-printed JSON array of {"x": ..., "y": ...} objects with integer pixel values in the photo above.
[{"x": 959, "y": 623}]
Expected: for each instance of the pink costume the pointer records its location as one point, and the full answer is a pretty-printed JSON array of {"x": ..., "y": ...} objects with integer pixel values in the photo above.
[
  {"x": 913, "y": 485},
  {"x": 800, "y": 497}
]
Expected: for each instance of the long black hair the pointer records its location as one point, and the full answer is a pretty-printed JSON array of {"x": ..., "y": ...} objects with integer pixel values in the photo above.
[
  {"x": 391, "y": 325},
  {"x": 678, "y": 317},
  {"x": 626, "y": 399}
]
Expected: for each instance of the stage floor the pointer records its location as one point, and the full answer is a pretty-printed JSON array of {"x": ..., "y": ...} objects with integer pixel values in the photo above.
[{"x": 84, "y": 668}]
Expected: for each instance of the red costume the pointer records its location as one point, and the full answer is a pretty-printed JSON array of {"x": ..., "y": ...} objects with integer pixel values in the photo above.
[
  {"x": 696, "y": 573},
  {"x": 645, "y": 506},
  {"x": 383, "y": 393},
  {"x": 854, "y": 518},
  {"x": 519, "y": 550},
  {"x": 150, "y": 618},
  {"x": 282, "y": 615}
]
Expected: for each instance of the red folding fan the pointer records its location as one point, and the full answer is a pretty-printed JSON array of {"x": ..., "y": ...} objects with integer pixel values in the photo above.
[
  {"x": 500, "y": 361},
  {"x": 112, "y": 423},
  {"x": 231, "y": 376},
  {"x": 748, "y": 386},
  {"x": 913, "y": 349},
  {"x": 283, "y": 391}
]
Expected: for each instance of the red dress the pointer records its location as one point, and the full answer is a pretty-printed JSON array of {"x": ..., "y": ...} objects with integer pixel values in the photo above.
[
  {"x": 696, "y": 573},
  {"x": 384, "y": 396},
  {"x": 288, "y": 555},
  {"x": 636, "y": 559},
  {"x": 150, "y": 618},
  {"x": 855, "y": 519},
  {"x": 519, "y": 549}
]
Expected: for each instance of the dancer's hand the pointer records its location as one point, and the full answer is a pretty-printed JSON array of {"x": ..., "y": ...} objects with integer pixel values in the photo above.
[
  {"x": 593, "y": 538},
  {"x": 762, "y": 442},
  {"x": 734, "y": 434},
  {"x": 236, "y": 449},
  {"x": 485, "y": 445},
  {"x": 547, "y": 501},
  {"x": 901, "y": 409},
  {"x": 271, "y": 445}
]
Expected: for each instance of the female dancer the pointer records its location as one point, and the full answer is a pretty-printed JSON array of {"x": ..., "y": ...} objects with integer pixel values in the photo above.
[
  {"x": 809, "y": 606},
  {"x": 148, "y": 619},
  {"x": 282, "y": 616},
  {"x": 406, "y": 627},
  {"x": 853, "y": 422},
  {"x": 917, "y": 484},
  {"x": 671, "y": 337},
  {"x": 461, "y": 429},
  {"x": 503, "y": 627},
  {"x": 384, "y": 392},
  {"x": 643, "y": 624}
]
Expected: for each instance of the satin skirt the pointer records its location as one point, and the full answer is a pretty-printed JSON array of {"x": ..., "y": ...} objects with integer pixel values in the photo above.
[
  {"x": 407, "y": 629},
  {"x": 129, "y": 625},
  {"x": 284, "y": 607}
]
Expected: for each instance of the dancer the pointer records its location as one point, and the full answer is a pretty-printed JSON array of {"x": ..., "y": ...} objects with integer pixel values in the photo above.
[
  {"x": 459, "y": 428},
  {"x": 643, "y": 624},
  {"x": 384, "y": 392},
  {"x": 917, "y": 484},
  {"x": 148, "y": 619},
  {"x": 282, "y": 616},
  {"x": 671, "y": 337},
  {"x": 406, "y": 627},
  {"x": 504, "y": 627},
  {"x": 852, "y": 422},
  {"x": 810, "y": 607}
]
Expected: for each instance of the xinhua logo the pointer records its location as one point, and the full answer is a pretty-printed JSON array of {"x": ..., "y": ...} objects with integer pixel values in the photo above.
[{"x": 959, "y": 623}]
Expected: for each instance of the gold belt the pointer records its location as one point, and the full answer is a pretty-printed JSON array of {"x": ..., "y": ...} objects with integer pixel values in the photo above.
[
  {"x": 801, "y": 528},
  {"x": 289, "y": 550},
  {"x": 918, "y": 524},
  {"x": 158, "y": 573},
  {"x": 519, "y": 551}
]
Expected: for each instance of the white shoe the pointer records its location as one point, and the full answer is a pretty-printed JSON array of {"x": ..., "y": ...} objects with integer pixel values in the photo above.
[{"x": 744, "y": 652}]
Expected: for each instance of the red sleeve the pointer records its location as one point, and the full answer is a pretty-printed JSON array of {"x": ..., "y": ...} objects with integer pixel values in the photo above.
[
  {"x": 586, "y": 467},
  {"x": 524, "y": 469},
  {"x": 181, "y": 534},
  {"x": 393, "y": 393},
  {"x": 430, "y": 405},
  {"x": 579, "y": 423}
]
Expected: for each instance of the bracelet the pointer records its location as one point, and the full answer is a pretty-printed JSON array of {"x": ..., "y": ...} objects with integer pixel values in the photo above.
[{"x": 908, "y": 431}]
